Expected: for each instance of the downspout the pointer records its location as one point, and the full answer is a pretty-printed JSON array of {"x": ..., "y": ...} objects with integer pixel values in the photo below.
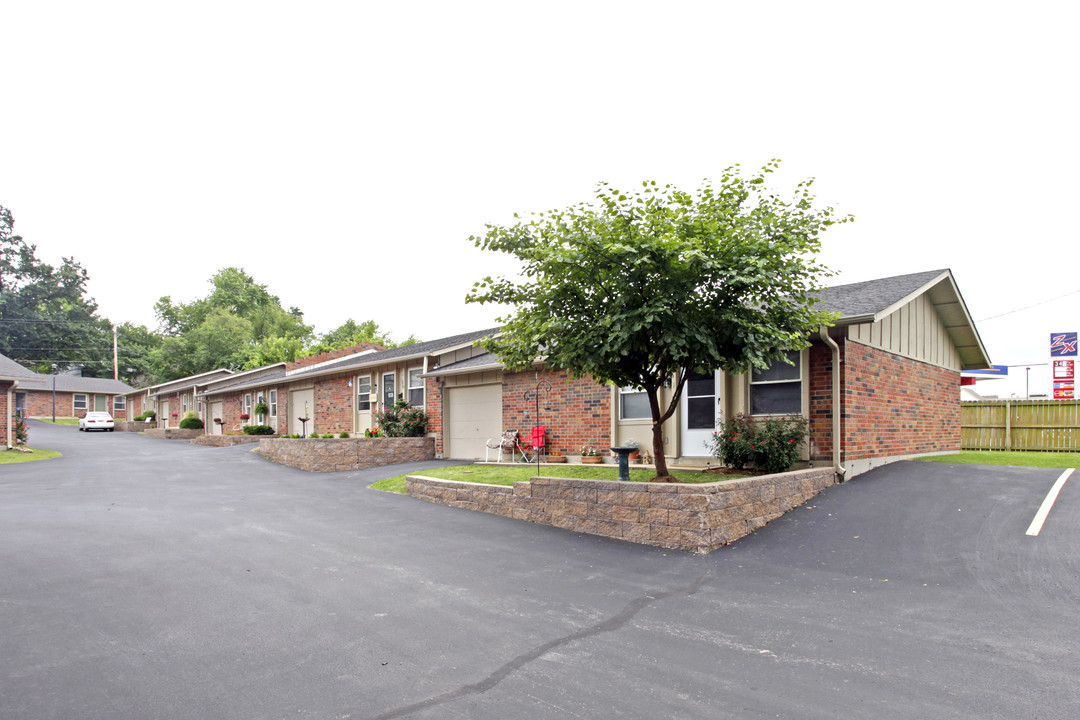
[
  {"x": 836, "y": 410},
  {"x": 7, "y": 409}
]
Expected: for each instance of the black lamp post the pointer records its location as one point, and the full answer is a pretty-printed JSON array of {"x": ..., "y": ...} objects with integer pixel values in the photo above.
[{"x": 534, "y": 394}]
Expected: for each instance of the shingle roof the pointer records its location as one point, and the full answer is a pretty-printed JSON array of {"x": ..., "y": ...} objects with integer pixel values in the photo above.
[
  {"x": 65, "y": 383},
  {"x": 874, "y": 296},
  {"x": 405, "y": 351},
  {"x": 477, "y": 362},
  {"x": 9, "y": 369},
  {"x": 106, "y": 386},
  {"x": 246, "y": 382}
]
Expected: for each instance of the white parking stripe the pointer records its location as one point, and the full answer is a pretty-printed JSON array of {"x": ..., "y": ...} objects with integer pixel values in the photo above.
[{"x": 1044, "y": 509}]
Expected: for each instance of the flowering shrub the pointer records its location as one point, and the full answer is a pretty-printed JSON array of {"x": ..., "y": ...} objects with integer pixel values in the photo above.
[
  {"x": 778, "y": 443},
  {"x": 735, "y": 444},
  {"x": 373, "y": 432},
  {"x": 772, "y": 444},
  {"x": 402, "y": 420}
]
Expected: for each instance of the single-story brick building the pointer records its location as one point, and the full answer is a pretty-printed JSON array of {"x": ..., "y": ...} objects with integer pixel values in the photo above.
[
  {"x": 335, "y": 392},
  {"x": 171, "y": 400},
  {"x": 878, "y": 386},
  {"x": 64, "y": 396},
  {"x": 883, "y": 380}
]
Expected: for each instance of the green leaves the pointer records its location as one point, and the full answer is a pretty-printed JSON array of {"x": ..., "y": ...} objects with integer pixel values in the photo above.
[{"x": 641, "y": 285}]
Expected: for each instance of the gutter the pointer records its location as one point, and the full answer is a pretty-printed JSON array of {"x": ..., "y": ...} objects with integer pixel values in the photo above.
[{"x": 837, "y": 466}]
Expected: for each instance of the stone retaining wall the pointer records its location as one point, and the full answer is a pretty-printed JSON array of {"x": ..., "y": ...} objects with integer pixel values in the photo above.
[
  {"x": 174, "y": 433},
  {"x": 330, "y": 455},
  {"x": 133, "y": 426},
  {"x": 228, "y": 440},
  {"x": 670, "y": 515}
]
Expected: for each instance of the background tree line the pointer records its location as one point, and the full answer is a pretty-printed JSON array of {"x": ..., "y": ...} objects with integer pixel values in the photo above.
[{"x": 48, "y": 323}]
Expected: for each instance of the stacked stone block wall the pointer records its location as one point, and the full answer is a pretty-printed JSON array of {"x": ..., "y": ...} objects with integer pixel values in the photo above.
[
  {"x": 133, "y": 426},
  {"x": 318, "y": 455},
  {"x": 895, "y": 406},
  {"x": 227, "y": 440},
  {"x": 174, "y": 433},
  {"x": 670, "y": 515}
]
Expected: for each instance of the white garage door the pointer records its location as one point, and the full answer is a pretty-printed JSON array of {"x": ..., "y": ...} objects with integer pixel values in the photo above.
[{"x": 475, "y": 415}]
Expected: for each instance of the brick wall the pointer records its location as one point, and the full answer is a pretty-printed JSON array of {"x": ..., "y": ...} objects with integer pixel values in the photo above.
[
  {"x": 575, "y": 412},
  {"x": 39, "y": 403},
  {"x": 334, "y": 405},
  {"x": 821, "y": 430},
  {"x": 897, "y": 406},
  {"x": 670, "y": 515},
  {"x": 5, "y": 418},
  {"x": 433, "y": 402}
]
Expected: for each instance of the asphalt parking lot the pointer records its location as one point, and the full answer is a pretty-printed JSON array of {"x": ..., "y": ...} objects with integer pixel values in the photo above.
[{"x": 142, "y": 578}]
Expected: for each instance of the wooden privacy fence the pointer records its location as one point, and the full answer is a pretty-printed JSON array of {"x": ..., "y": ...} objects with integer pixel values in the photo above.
[{"x": 1052, "y": 425}]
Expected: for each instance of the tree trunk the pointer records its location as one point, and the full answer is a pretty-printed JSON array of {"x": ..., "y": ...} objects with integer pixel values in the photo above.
[{"x": 653, "y": 393}]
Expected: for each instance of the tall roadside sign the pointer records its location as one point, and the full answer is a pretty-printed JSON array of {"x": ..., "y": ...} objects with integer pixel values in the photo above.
[{"x": 1063, "y": 361}]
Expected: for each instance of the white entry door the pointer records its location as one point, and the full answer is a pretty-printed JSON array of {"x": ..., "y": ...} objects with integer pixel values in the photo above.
[
  {"x": 701, "y": 412},
  {"x": 215, "y": 412},
  {"x": 302, "y": 405}
]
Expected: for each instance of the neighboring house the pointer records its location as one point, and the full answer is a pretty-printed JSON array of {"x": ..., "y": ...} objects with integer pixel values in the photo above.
[
  {"x": 64, "y": 396},
  {"x": 73, "y": 396},
  {"x": 894, "y": 357},
  {"x": 14, "y": 380}
]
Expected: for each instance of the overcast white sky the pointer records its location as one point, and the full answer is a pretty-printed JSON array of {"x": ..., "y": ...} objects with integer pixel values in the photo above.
[{"x": 343, "y": 152}]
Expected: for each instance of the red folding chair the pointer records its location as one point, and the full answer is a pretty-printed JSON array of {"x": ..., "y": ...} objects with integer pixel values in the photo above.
[{"x": 535, "y": 445}]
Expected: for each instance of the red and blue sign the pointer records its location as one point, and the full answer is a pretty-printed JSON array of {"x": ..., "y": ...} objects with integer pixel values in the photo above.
[{"x": 1063, "y": 344}]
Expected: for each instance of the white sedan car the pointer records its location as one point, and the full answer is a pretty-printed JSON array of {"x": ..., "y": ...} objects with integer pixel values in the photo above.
[{"x": 96, "y": 421}]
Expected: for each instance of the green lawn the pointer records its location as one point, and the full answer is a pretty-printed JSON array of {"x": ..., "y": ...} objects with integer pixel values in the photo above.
[
  {"x": 1021, "y": 459},
  {"x": 510, "y": 474},
  {"x": 58, "y": 421},
  {"x": 14, "y": 456}
]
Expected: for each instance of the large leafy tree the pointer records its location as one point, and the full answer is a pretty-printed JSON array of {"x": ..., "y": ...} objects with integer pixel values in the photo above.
[
  {"x": 239, "y": 324},
  {"x": 46, "y": 318},
  {"x": 353, "y": 333},
  {"x": 641, "y": 287},
  {"x": 136, "y": 345}
]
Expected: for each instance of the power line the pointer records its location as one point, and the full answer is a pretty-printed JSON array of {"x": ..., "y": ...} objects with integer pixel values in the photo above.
[
  {"x": 1010, "y": 312},
  {"x": 55, "y": 322}
]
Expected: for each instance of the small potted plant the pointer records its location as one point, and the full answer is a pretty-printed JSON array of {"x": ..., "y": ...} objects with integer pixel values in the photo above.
[
  {"x": 556, "y": 457},
  {"x": 261, "y": 408},
  {"x": 631, "y": 442},
  {"x": 589, "y": 455},
  {"x": 245, "y": 416}
]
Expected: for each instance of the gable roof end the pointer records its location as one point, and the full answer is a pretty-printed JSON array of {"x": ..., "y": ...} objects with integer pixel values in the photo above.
[{"x": 874, "y": 300}]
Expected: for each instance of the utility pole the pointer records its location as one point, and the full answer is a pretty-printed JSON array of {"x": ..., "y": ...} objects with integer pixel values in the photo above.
[{"x": 115, "y": 364}]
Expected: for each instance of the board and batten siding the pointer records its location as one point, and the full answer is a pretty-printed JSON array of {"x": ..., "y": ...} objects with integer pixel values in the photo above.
[{"x": 915, "y": 331}]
